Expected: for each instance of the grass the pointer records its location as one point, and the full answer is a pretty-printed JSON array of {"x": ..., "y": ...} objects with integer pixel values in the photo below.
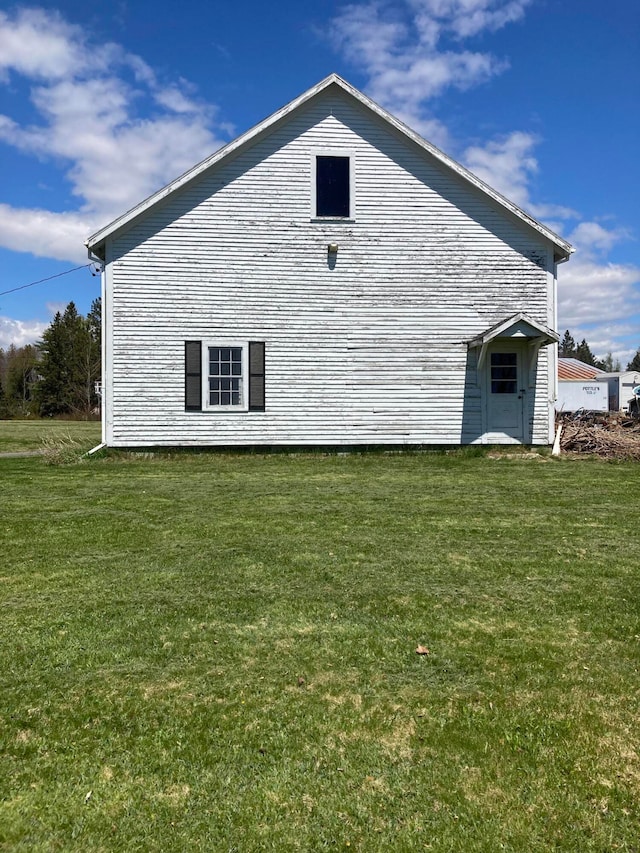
[
  {"x": 217, "y": 652},
  {"x": 32, "y": 435}
]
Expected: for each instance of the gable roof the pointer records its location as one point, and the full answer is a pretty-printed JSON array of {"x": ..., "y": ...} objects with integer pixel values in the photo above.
[
  {"x": 518, "y": 325},
  {"x": 573, "y": 368},
  {"x": 562, "y": 248}
]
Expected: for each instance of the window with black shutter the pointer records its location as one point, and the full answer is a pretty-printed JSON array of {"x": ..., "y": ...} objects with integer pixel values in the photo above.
[{"x": 224, "y": 376}]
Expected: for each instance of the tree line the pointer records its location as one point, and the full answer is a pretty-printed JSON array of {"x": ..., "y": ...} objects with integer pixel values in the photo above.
[
  {"x": 57, "y": 376},
  {"x": 567, "y": 348}
]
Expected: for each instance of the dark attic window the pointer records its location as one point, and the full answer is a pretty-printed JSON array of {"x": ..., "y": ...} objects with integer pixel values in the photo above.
[{"x": 332, "y": 186}]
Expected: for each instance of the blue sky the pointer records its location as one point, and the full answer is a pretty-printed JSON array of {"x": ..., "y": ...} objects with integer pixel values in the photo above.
[{"x": 102, "y": 104}]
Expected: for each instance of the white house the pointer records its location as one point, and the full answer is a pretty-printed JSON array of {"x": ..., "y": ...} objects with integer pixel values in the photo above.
[{"x": 328, "y": 278}]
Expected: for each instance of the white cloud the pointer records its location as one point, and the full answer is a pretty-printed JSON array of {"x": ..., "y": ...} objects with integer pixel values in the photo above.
[
  {"x": 20, "y": 332},
  {"x": 120, "y": 133},
  {"x": 466, "y": 18},
  {"x": 597, "y": 295},
  {"x": 591, "y": 238},
  {"x": 400, "y": 47},
  {"x": 508, "y": 165},
  {"x": 46, "y": 234},
  {"x": 40, "y": 44},
  {"x": 596, "y": 292}
]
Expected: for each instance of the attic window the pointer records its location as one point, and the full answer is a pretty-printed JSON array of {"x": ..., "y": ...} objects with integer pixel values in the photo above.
[{"x": 333, "y": 186}]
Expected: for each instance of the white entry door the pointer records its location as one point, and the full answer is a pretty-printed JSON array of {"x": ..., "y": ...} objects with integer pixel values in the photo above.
[{"x": 506, "y": 392}]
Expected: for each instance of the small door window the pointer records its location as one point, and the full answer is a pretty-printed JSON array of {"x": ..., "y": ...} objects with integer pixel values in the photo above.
[{"x": 504, "y": 373}]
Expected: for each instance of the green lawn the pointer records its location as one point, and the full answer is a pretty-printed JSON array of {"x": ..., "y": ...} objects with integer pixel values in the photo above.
[
  {"x": 19, "y": 436},
  {"x": 217, "y": 652}
]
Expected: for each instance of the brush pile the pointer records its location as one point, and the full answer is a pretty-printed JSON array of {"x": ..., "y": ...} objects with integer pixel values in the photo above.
[{"x": 611, "y": 436}]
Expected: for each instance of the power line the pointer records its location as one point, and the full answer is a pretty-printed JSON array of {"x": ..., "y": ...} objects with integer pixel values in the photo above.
[{"x": 42, "y": 280}]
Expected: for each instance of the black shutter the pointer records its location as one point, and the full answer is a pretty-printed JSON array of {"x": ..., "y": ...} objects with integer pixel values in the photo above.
[
  {"x": 193, "y": 376},
  {"x": 256, "y": 376}
]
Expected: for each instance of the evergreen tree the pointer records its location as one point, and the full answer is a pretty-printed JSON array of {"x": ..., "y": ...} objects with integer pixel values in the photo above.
[
  {"x": 18, "y": 378},
  {"x": 609, "y": 364},
  {"x": 80, "y": 360},
  {"x": 21, "y": 379},
  {"x": 94, "y": 318},
  {"x": 53, "y": 391},
  {"x": 634, "y": 364},
  {"x": 567, "y": 346},
  {"x": 70, "y": 363},
  {"x": 2, "y": 383},
  {"x": 583, "y": 353},
  {"x": 94, "y": 321}
]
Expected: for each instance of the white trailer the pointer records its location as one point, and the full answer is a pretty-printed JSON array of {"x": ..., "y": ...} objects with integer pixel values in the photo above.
[{"x": 589, "y": 394}]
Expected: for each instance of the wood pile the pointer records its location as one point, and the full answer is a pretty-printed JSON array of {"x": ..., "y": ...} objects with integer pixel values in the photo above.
[{"x": 609, "y": 436}]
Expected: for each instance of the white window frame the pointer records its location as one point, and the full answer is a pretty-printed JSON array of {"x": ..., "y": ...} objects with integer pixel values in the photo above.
[
  {"x": 222, "y": 343},
  {"x": 334, "y": 152}
]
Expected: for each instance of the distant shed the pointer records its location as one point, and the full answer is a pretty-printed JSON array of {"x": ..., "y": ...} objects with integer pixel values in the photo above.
[
  {"x": 620, "y": 388},
  {"x": 579, "y": 387},
  {"x": 574, "y": 394},
  {"x": 572, "y": 368}
]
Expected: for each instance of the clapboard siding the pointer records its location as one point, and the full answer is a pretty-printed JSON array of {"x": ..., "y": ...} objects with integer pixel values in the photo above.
[{"x": 373, "y": 350}]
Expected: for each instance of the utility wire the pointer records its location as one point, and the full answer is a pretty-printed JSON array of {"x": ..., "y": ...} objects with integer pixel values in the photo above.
[{"x": 42, "y": 280}]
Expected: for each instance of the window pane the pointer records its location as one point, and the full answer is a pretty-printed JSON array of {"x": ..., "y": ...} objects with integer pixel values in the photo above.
[
  {"x": 225, "y": 376},
  {"x": 504, "y": 358},
  {"x": 504, "y": 373},
  {"x": 332, "y": 186},
  {"x": 502, "y": 387}
]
